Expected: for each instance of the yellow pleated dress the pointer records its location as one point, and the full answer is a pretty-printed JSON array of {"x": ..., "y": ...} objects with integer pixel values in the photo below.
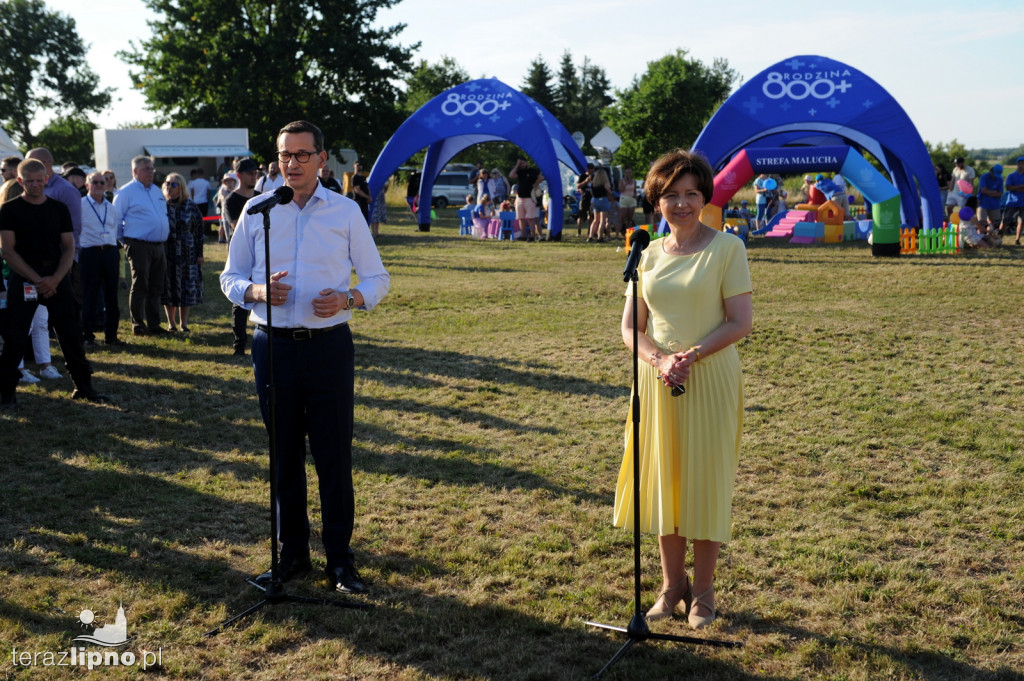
[{"x": 689, "y": 445}]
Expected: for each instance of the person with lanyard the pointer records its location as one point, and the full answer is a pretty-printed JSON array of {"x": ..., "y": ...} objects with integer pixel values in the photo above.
[
  {"x": 316, "y": 241},
  {"x": 143, "y": 230},
  {"x": 100, "y": 261}
]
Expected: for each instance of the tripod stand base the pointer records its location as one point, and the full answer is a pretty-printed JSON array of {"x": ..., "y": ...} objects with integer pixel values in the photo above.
[
  {"x": 274, "y": 594},
  {"x": 638, "y": 631}
]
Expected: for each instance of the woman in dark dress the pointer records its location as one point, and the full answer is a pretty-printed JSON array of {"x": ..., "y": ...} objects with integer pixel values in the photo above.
[{"x": 183, "y": 285}]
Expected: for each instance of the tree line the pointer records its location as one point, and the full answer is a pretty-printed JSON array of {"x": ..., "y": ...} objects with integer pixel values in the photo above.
[{"x": 256, "y": 65}]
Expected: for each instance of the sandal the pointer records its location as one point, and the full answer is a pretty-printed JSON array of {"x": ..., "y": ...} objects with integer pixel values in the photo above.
[
  {"x": 664, "y": 607},
  {"x": 700, "y": 621}
]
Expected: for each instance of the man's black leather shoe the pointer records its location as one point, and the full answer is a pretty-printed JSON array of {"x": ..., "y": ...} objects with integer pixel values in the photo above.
[
  {"x": 287, "y": 569},
  {"x": 346, "y": 580},
  {"x": 89, "y": 396}
]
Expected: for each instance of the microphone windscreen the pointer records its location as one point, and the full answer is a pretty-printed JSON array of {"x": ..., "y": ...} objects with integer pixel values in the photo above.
[
  {"x": 641, "y": 237},
  {"x": 285, "y": 194}
]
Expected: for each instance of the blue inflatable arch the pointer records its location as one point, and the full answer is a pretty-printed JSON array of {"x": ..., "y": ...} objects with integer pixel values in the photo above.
[
  {"x": 810, "y": 100},
  {"x": 484, "y": 110}
]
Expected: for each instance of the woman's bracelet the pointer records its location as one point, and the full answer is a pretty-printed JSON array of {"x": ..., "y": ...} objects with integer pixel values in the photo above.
[
  {"x": 695, "y": 350},
  {"x": 655, "y": 356}
]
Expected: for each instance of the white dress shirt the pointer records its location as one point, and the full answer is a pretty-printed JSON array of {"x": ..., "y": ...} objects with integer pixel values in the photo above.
[
  {"x": 268, "y": 184},
  {"x": 319, "y": 246},
  {"x": 99, "y": 223}
]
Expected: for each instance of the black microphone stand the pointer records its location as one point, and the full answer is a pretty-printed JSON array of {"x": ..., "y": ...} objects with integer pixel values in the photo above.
[
  {"x": 638, "y": 631},
  {"x": 274, "y": 593}
]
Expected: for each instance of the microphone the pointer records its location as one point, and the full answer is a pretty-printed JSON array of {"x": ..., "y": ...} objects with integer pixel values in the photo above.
[
  {"x": 282, "y": 195},
  {"x": 639, "y": 241}
]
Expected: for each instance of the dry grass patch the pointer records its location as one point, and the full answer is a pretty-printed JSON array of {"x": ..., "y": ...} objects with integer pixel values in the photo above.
[{"x": 878, "y": 509}]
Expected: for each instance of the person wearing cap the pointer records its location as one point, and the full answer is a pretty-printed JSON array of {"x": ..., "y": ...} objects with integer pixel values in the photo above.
[
  {"x": 1013, "y": 216},
  {"x": 76, "y": 176},
  {"x": 990, "y": 194},
  {"x": 955, "y": 198},
  {"x": 814, "y": 195}
]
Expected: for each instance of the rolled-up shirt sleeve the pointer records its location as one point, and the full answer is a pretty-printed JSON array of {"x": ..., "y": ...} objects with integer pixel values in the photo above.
[
  {"x": 237, "y": 276},
  {"x": 374, "y": 280}
]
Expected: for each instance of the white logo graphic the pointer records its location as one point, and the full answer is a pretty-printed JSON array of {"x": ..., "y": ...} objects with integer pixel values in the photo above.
[
  {"x": 109, "y": 635},
  {"x": 471, "y": 105},
  {"x": 115, "y": 634},
  {"x": 799, "y": 86}
]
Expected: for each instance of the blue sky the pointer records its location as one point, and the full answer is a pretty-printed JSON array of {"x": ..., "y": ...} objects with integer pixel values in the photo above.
[{"x": 950, "y": 67}]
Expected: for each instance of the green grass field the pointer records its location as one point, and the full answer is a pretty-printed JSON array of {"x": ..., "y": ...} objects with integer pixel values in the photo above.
[{"x": 878, "y": 512}]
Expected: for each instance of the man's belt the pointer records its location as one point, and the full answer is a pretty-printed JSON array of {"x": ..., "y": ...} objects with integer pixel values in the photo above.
[
  {"x": 101, "y": 247},
  {"x": 297, "y": 333}
]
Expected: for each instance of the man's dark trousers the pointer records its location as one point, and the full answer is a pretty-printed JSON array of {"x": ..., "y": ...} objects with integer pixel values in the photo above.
[
  {"x": 314, "y": 381},
  {"x": 148, "y": 261},
  {"x": 65, "y": 317},
  {"x": 99, "y": 266}
]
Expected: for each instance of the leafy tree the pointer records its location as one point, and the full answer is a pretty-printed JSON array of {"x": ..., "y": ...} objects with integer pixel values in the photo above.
[
  {"x": 1010, "y": 160},
  {"x": 668, "y": 106},
  {"x": 69, "y": 138},
  {"x": 567, "y": 91},
  {"x": 944, "y": 154},
  {"x": 43, "y": 67},
  {"x": 593, "y": 98},
  {"x": 538, "y": 84},
  {"x": 259, "y": 65},
  {"x": 429, "y": 80}
]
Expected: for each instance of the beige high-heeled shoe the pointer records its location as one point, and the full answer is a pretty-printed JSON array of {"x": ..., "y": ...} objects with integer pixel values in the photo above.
[
  {"x": 665, "y": 606},
  {"x": 700, "y": 621}
]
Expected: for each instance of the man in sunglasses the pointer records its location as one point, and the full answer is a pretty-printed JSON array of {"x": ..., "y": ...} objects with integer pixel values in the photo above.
[
  {"x": 143, "y": 230},
  {"x": 100, "y": 260}
]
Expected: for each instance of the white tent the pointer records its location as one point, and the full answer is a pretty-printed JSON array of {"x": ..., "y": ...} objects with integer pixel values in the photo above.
[{"x": 7, "y": 147}]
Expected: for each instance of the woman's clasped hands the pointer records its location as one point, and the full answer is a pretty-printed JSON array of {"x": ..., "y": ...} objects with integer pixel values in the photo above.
[{"x": 675, "y": 368}]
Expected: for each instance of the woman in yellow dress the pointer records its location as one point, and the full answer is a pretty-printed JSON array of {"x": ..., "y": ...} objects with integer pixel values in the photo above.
[{"x": 693, "y": 292}]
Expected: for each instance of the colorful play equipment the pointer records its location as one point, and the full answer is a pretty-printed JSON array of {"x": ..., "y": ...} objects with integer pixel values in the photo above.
[
  {"x": 808, "y": 104},
  {"x": 945, "y": 241},
  {"x": 748, "y": 163}
]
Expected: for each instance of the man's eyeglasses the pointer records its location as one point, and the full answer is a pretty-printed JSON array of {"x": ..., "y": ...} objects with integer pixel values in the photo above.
[
  {"x": 103, "y": 182},
  {"x": 301, "y": 156}
]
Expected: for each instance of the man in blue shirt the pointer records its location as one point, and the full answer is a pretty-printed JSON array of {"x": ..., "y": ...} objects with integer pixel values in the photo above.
[
  {"x": 316, "y": 241},
  {"x": 990, "y": 193},
  {"x": 143, "y": 230},
  {"x": 1013, "y": 217}
]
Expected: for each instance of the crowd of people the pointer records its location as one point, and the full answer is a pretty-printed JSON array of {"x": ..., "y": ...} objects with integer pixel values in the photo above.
[
  {"x": 156, "y": 221},
  {"x": 994, "y": 206},
  {"x": 61, "y": 235}
]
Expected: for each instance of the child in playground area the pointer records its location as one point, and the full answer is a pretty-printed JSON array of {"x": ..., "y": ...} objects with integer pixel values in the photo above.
[
  {"x": 484, "y": 210},
  {"x": 973, "y": 232}
]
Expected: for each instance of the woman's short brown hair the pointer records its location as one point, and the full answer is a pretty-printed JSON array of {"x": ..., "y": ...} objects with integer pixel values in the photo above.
[{"x": 669, "y": 168}]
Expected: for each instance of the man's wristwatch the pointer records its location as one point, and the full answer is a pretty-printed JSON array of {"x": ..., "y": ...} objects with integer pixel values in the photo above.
[{"x": 351, "y": 304}]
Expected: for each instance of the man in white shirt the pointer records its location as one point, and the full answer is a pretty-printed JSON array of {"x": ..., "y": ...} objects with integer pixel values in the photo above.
[
  {"x": 316, "y": 241},
  {"x": 99, "y": 260},
  {"x": 199, "y": 191},
  {"x": 272, "y": 180}
]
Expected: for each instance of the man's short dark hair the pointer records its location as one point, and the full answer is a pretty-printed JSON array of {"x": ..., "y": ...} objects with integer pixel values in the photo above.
[
  {"x": 11, "y": 161},
  {"x": 305, "y": 126}
]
